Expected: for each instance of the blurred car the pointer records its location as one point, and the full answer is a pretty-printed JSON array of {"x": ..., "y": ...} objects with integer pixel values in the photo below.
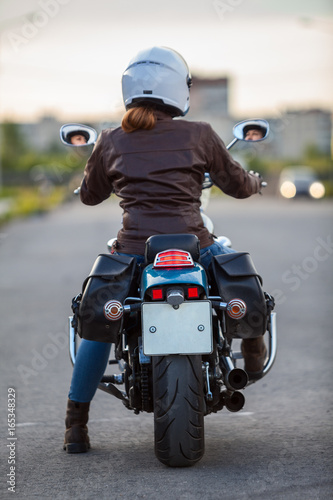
[{"x": 300, "y": 181}]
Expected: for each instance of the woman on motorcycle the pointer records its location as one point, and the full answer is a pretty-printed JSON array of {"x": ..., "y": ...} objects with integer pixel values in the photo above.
[{"x": 156, "y": 165}]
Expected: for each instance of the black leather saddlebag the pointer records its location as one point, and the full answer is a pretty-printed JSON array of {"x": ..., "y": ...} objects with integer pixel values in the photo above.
[
  {"x": 99, "y": 308},
  {"x": 235, "y": 277}
]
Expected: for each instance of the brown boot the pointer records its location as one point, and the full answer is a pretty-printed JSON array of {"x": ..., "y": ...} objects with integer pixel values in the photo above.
[
  {"x": 76, "y": 435},
  {"x": 254, "y": 353}
]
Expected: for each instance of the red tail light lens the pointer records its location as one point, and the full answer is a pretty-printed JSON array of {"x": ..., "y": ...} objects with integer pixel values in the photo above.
[
  {"x": 157, "y": 294},
  {"x": 173, "y": 258},
  {"x": 193, "y": 292}
]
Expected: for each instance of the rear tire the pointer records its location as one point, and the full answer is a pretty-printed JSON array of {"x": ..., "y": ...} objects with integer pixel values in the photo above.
[{"x": 178, "y": 410}]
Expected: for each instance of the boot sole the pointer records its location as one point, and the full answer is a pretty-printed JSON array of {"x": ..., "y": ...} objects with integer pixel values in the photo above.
[{"x": 76, "y": 447}]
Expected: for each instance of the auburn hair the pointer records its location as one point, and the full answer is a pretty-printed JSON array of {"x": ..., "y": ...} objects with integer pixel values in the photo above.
[{"x": 138, "y": 118}]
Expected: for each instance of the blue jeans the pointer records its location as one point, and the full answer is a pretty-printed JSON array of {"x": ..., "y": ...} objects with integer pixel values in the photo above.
[
  {"x": 92, "y": 357},
  {"x": 207, "y": 253}
]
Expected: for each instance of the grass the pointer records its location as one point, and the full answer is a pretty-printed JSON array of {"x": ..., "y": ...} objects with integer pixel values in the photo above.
[{"x": 24, "y": 201}]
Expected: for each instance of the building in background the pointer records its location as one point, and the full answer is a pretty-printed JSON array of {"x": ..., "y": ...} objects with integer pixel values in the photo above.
[
  {"x": 292, "y": 133},
  {"x": 42, "y": 135},
  {"x": 209, "y": 96},
  {"x": 209, "y": 99},
  {"x": 295, "y": 132}
]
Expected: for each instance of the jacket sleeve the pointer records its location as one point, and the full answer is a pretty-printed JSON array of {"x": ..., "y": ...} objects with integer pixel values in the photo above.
[
  {"x": 96, "y": 185},
  {"x": 225, "y": 172}
]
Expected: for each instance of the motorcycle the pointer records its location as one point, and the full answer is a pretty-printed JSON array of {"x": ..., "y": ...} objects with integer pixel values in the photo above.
[{"x": 173, "y": 325}]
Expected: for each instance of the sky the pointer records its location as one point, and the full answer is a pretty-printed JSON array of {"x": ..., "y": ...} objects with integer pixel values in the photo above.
[{"x": 65, "y": 57}]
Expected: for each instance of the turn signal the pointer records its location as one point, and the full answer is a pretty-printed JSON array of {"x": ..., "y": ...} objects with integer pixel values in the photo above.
[
  {"x": 113, "y": 310},
  {"x": 236, "y": 309}
]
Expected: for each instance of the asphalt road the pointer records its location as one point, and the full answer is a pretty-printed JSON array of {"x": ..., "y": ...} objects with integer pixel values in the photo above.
[{"x": 278, "y": 447}]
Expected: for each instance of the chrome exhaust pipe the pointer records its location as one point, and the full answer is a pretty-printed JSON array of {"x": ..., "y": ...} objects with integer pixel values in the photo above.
[
  {"x": 234, "y": 401},
  {"x": 237, "y": 378},
  {"x": 272, "y": 349},
  {"x": 234, "y": 378},
  {"x": 272, "y": 344}
]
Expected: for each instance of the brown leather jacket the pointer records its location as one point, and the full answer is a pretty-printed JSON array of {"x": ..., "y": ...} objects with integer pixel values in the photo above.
[{"x": 158, "y": 175}]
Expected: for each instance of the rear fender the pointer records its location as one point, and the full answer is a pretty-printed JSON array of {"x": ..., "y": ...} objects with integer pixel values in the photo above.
[{"x": 152, "y": 277}]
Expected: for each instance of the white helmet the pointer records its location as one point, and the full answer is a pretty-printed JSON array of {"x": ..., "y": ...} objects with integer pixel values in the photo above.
[{"x": 158, "y": 76}]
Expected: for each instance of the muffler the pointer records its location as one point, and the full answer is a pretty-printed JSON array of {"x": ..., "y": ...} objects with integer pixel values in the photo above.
[
  {"x": 234, "y": 378},
  {"x": 234, "y": 401}
]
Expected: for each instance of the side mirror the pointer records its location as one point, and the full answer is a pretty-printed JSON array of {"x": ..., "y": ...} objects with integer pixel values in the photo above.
[
  {"x": 251, "y": 130},
  {"x": 75, "y": 134}
]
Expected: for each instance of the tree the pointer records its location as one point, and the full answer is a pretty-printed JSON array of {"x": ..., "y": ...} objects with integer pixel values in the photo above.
[{"x": 12, "y": 145}]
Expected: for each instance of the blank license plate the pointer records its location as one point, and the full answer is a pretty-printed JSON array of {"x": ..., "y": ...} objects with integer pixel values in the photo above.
[{"x": 186, "y": 330}]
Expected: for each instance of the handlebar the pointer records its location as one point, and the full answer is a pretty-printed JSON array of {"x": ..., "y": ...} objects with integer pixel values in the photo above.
[{"x": 208, "y": 183}]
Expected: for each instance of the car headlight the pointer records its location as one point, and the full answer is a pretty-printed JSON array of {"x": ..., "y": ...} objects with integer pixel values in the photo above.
[
  {"x": 317, "y": 190},
  {"x": 288, "y": 189}
]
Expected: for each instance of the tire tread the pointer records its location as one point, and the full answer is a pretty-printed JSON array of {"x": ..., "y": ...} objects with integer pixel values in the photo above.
[{"x": 178, "y": 410}]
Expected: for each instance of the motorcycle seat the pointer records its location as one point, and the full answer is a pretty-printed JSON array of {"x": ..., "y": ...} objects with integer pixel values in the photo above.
[{"x": 160, "y": 242}]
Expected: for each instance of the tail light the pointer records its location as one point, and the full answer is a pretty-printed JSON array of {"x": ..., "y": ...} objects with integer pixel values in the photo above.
[
  {"x": 193, "y": 292},
  {"x": 236, "y": 309},
  {"x": 173, "y": 258},
  {"x": 157, "y": 293}
]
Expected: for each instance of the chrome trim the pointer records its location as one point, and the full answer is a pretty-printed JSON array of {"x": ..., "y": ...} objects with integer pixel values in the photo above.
[
  {"x": 228, "y": 363},
  {"x": 209, "y": 394},
  {"x": 221, "y": 305},
  {"x": 233, "y": 374},
  {"x": 110, "y": 243},
  {"x": 224, "y": 241},
  {"x": 272, "y": 349},
  {"x": 72, "y": 341},
  {"x": 136, "y": 299},
  {"x": 207, "y": 182},
  {"x": 232, "y": 143},
  {"x": 272, "y": 344},
  {"x": 207, "y": 222},
  {"x": 158, "y": 263}
]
